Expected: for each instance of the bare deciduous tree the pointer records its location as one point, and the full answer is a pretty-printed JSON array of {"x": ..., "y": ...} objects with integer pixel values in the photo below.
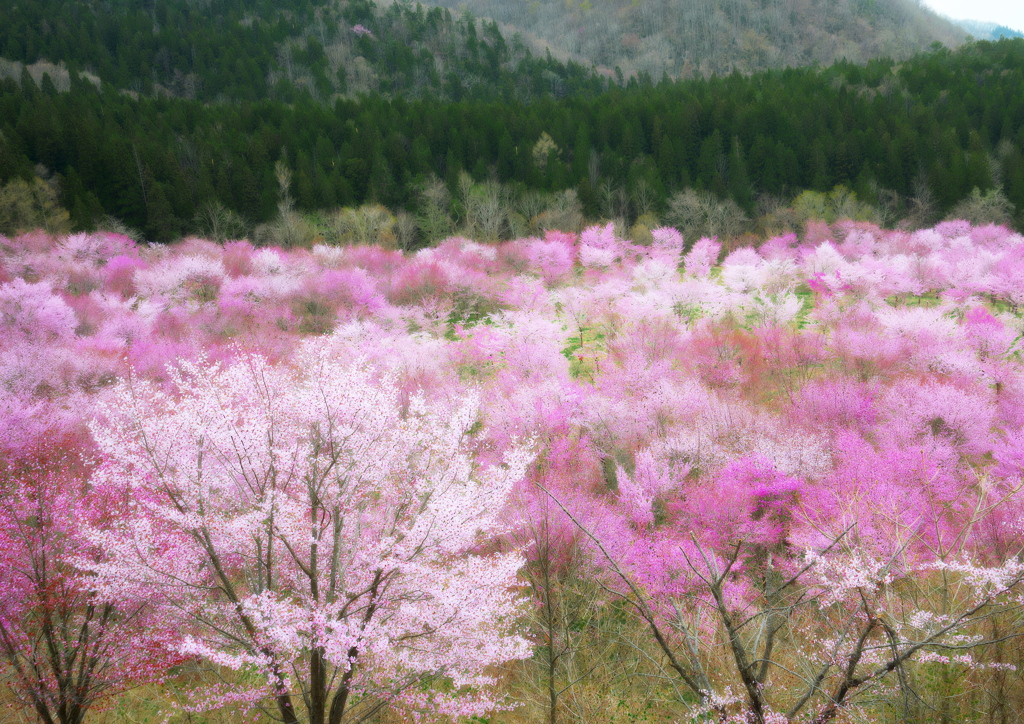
[
  {"x": 701, "y": 213},
  {"x": 988, "y": 207},
  {"x": 485, "y": 208},
  {"x": 217, "y": 222}
]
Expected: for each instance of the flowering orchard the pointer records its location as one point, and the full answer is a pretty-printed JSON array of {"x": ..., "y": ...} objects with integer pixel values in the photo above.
[{"x": 569, "y": 478}]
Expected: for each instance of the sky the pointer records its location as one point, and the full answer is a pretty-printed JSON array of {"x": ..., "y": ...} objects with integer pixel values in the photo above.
[{"x": 1005, "y": 12}]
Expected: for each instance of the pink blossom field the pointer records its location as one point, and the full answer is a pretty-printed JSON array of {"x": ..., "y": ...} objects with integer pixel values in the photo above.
[{"x": 492, "y": 481}]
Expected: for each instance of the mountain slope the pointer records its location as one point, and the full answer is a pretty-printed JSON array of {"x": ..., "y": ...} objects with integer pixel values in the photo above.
[
  {"x": 684, "y": 37},
  {"x": 249, "y": 50},
  {"x": 935, "y": 129}
]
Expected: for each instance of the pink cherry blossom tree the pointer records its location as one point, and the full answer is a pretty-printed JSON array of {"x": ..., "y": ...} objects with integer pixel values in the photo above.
[
  {"x": 64, "y": 647},
  {"x": 301, "y": 523},
  {"x": 762, "y": 615}
]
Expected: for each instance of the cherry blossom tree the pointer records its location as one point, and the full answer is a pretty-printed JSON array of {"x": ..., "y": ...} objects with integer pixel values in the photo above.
[
  {"x": 297, "y": 522},
  {"x": 64, "y": 647},
  {"x": 820, "y": 438},
  {"x": 765, "y": 610}
]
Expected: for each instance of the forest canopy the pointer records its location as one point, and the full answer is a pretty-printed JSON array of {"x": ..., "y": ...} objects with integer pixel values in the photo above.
[{"x": 934, "y": 128}]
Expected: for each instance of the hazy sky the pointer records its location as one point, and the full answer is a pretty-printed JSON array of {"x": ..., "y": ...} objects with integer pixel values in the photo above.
[{"x": 1005, "y": 12}]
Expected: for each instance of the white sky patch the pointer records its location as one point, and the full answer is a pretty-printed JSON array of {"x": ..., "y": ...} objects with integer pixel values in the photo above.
[{"x": 1003, "y": 12}]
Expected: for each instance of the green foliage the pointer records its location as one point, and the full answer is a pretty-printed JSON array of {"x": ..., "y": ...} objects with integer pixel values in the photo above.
[
  {"x": 314, "y": 316},
  {"x": 249, "y": 50},
  {"x": 839, "y": 203},
  {"x": 877, "y": 141},
  {"x": 368, "y": 224},
  {"x": 27, "y": 205}
]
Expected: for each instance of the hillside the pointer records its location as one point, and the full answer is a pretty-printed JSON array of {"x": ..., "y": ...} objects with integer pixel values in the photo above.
[
  {"x": 922, "y": 134},
  {"x": 686, "y": 37},
  {"x": 241, "y": 50}
]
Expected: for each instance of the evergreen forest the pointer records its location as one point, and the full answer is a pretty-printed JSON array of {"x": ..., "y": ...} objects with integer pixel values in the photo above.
[{"x": 925, "y": 133}]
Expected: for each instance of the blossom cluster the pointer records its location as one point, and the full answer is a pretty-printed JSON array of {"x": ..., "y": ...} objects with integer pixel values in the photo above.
[{"x": 847, "y": 405}]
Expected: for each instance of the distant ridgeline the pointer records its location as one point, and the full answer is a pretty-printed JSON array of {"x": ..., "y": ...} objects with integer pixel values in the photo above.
[
  {"x": 686, "y": 37},
  {"x": 937, "y": 126},
  {"x": 988, "y": 31}
]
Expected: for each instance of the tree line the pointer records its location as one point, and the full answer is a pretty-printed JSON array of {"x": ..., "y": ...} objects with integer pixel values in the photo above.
[{"x": 929, "y": 131}]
